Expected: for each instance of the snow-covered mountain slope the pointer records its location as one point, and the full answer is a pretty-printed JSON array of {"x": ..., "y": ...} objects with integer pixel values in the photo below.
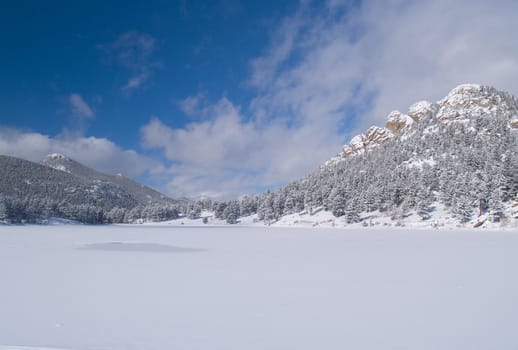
[
  {"x": 62, "y": 187},
  {"x": 459, "y": 154},
  {"x": 462, "y": 104},
  {"x": 141, "y": 193}
]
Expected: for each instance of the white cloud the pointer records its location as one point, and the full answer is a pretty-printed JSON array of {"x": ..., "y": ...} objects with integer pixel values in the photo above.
[
  {"x": 193, "y": 105},
  {"x": 427, "y": 48},
  {"x": 135, "y": 81},
  {"x": 388, "y": 54},
  {"x": 98, "y": 153},
  {"x": 227, "y": 156},
  {"x": 221, "y": 141},
  {"x": 79, "y": 107},
  {"x": 330, "y": 71},
  {"x": 133, "y": 51}
]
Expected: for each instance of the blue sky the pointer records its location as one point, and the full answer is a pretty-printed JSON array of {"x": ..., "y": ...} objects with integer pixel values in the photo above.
[
  {"x": 222, "y": 98},
  {"x": 55, "y": 48}
]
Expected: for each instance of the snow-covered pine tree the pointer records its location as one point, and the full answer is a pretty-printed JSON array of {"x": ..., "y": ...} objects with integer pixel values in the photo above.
[
  {"x": 338, "y": 201},
  {"x": 351, "y": 213},
  {"x": 3, "y": 209},
  {"x": 496, "y": 209},
  {"x": 424, "y": 201},
  {"x": 462, "y": 209}
]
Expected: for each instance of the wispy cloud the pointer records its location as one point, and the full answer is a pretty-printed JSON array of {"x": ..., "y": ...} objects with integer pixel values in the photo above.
[
  {"x": 193, "y": 106},
  {"x": 265, "y": 67},
  {"x": 79, "y": 108},
  {"x": 330, "y": 70},
  {"x": 384, "y": 55},
  {"x": 133, "y": 51}
]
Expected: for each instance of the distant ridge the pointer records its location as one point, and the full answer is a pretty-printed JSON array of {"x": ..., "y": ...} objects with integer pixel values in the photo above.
[
  {"x": 139, "y": 192},
  {"x": 61, "y": 187}
]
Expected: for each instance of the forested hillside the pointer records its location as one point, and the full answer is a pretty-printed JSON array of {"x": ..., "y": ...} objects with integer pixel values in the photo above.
[
  {"x": 61, "y": 187},
  {"x": 461, "y": 152}
]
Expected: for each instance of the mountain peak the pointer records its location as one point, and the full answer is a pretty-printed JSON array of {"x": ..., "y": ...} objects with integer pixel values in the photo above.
[
  {"x": 471, "y": 100},
  {"x": 55, "y": 156},
  {"x": 60, "y": 186},
  {"x": 465, "y": 88},
  {"x": 464, "y": 102},
  {"x": 57, "y": 161}
]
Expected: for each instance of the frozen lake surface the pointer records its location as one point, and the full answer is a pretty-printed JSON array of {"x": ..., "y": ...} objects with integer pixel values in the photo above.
[{"x": 162, "y": 287}]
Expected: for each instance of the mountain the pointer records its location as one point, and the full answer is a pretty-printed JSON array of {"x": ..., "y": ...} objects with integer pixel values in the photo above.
[
  {"x": 139, "y": 192},
  {"x": 453, "y": 161},
  {"x": 62, "y": 187},
  {"x": 457, "y": 157},
  {"x": 461, "y": 105}
]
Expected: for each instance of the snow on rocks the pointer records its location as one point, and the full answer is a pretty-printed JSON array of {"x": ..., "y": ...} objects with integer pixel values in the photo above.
[
  {"x": 361, "y": 143},
  {"x": 356, "y": 146},
  {"x": 422, "y": 110},
  {"x": 469, "y": 100},
  {"x": 397, "y": 121},
  {"x": 55, "y": 156},
  {"x": 460, "y": 105},
  {"x": 57, "y": 161}
]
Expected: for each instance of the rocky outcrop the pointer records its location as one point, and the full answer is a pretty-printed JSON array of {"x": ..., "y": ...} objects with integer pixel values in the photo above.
[
  {"x": 57, "y": 161},
  {"x": 397, "y": 121},
  {"x": 462, "y": 103},
  {"x": 471, "y": 100},
  {"x": 361, "y": 143},
  {"x": 422, "y": 110}
]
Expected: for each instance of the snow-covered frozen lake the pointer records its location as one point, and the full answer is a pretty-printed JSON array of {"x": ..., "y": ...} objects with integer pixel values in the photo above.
[{"x": 161, "y": 287}]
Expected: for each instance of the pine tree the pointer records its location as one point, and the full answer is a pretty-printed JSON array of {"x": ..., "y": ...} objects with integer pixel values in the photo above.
[
  {"x": 278, "y": 204},
  {"x": 116, "y": 215},
  {"x": 231, "y": 218},
  {"x": 496, "y": 208},
  {"x": 461, "y": 209},
  {"x": 338, "y": 202},
  {"x": 220, "y": 208},
  {"x": 3, "y": 209},
  {"x": 290, "y": 204},
  {"x": 423, "y": 204},
  {"x": 308, "y": 201},
  {"x": 351, "y": 214}
]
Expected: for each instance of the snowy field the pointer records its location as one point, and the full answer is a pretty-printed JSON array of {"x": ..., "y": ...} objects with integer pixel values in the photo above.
[{"x": 162, "y": 287}]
